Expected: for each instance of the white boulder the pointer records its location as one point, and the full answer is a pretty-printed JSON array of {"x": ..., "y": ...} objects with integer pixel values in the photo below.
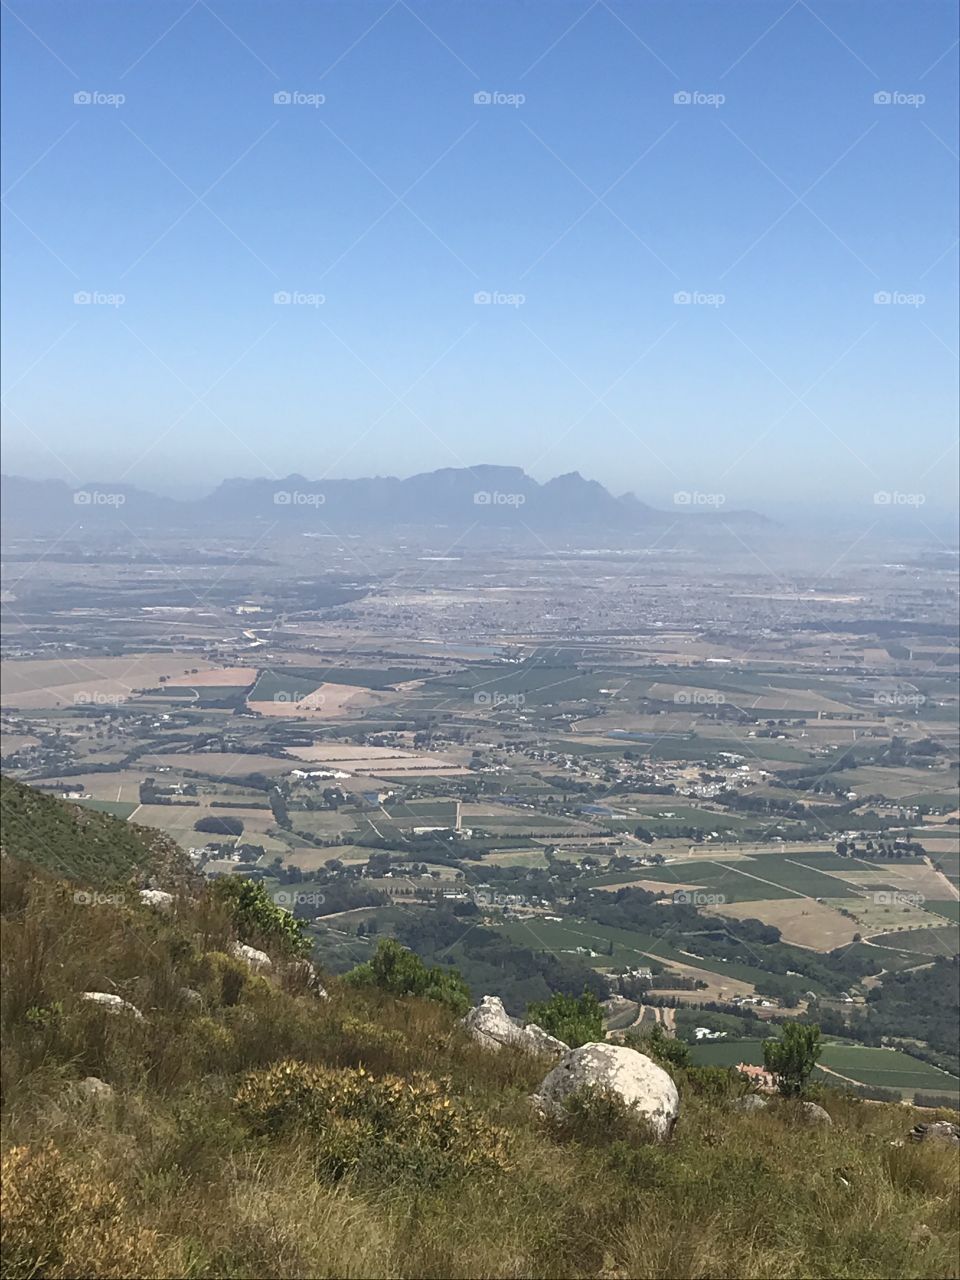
[
  {"x": 631, "y": 1076},
  {"x": 250, "y": 955},
  {"x": 159, "y": 899},
  {"x": 112, "y": 1003},
  {"x": 491, "y": 1025}
]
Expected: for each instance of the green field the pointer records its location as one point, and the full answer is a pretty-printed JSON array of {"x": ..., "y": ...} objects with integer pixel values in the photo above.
[
  {"x": 422, "y": 813},
  {"x": 949, "y": 909},
  {"x": 923, "y": 942},
  {"x": 889, "y": 1068},
  {"x": 763, "y": 877},
  {"x": 117, "y": 808},
  {"x": 629, "y": 947}
]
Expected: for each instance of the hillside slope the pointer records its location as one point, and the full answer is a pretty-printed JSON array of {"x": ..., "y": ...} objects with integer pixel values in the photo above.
[
  {"x": 74, "y": 842},
  {"x": 237, "y": 1121}
]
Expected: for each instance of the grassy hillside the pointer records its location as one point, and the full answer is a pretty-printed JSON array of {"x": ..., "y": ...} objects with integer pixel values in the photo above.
[
  {"x": 74, "y": 841},
  {"x": 256, "y": 1129}
]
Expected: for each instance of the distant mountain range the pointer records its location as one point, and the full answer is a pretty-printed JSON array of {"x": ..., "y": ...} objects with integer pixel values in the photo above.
[{"x": 465, "y": 497}]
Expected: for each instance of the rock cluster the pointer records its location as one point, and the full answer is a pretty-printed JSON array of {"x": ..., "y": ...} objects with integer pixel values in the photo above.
[
  {"x": 491, "y": 1025},
  {"x": 937, "y": 1131}
]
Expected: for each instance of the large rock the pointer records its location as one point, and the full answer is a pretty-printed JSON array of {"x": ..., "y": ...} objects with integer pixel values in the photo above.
[
  {"x": 491, "y": 1025},
  {"x": 937, "y": 1131},
  {"x": 750, "y": 1104},
  {"x": 257, "y": 960},
  {"x": 113, "y": 1003},
  {"x": 631, "y": 1076}
]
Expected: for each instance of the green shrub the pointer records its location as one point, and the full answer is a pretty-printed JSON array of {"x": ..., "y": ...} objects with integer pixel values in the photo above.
[
  {"x": 400, "y": 972},
  {"x": 793, "y": 1057},
  {"x": 257, "y": 918},
  {"x": 575, "y": 1020},
  {"x": 662, "y": 1048}
]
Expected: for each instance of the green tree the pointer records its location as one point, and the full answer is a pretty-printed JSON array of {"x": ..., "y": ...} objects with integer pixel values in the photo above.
[
  {"x": 278, "y": 805},
  {"x": 665, "y": 1049},
  {"x": 258, "y": 919},
  {"x": 793, "y": 1057},
  {"x": 575, "y": 1020},
  {"x": 402, "y": 973}
]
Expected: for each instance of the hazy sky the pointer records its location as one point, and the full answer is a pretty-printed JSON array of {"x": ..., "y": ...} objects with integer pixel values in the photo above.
[{"x": 781, "y": 198}]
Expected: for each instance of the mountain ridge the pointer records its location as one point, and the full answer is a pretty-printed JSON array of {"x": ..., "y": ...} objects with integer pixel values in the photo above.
[{"x": 487, "y": 494}]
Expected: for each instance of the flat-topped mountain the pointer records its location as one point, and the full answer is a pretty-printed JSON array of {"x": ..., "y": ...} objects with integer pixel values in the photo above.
[{"x": 467, "y": 497}]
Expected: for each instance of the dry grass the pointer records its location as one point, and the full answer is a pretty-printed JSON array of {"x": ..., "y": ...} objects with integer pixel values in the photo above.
[{"x": 169, "y": 1177}]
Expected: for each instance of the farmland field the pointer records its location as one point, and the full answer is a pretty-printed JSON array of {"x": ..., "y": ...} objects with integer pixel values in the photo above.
[
  {"x": 924, "y": 942},
  {"x": 889, "y": 1068},
  {"x": 614, "y": 948}
]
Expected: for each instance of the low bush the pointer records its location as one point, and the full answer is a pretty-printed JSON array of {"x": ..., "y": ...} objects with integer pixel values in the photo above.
[{"x": 362, "y": 1124}]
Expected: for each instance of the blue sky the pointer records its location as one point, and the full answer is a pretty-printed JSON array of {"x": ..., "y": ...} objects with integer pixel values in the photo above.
[{"x": 782, "y": 198}]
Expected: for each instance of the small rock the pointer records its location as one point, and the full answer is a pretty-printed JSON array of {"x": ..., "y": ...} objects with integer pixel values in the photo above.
[
  {"x": 157, "y": 898},
  {"x": 190, "y": 997},
  {"x": 813, "y": 1113},
  {"x": 112, "y": 1003},
  {"x": 750, "y": 1103},
  {"x": 93, "y": 1090},
  {"x": 937, "y": 1131},
  {"x": 255, "y": 959},
  {"x": 640, "y": 1084}
]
